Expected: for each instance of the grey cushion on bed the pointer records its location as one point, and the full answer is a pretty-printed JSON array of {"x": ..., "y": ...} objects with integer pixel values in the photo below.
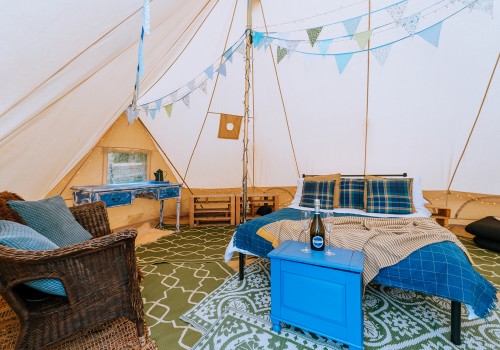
[{"x": 487, "y": 228}]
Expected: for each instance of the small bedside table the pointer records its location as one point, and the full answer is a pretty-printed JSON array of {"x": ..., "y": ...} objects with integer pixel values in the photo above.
[{"x": 317, "y": 292}]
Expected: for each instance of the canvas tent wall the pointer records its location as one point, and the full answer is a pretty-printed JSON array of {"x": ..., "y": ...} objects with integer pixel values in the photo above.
[{"x": 69, "y": 74}]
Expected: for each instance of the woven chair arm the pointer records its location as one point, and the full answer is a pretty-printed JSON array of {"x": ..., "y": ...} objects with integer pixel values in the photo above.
[
  {"x": 93, "y": 217},
  {"x": 85, "y": 247}
]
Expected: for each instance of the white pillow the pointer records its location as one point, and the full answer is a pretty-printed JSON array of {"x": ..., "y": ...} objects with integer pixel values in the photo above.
[
  {"x": 418, "y": 196},
  {"x": 298, "y": 194}
]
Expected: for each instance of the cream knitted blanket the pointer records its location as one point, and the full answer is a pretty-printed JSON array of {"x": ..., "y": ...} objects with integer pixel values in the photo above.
[{"x": 385, "y": 242}]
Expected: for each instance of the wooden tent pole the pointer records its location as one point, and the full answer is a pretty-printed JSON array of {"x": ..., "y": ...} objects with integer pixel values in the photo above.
[
  {"x": 367, "y": 88},
  {"x": 247, "y": 112}
]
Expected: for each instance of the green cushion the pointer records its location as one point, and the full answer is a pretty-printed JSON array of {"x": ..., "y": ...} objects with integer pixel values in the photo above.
[
  {"x": 22, "y": 237},
  {"x": 52, "y": 218}
]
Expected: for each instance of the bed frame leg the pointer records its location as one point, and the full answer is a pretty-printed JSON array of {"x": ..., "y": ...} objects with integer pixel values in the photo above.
[
  {"x": 456, "y": 309},
  {"x": 242, "y": 266}
]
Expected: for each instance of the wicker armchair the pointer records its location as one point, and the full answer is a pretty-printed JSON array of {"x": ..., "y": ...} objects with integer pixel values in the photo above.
[{"x": 100, "y": 277}]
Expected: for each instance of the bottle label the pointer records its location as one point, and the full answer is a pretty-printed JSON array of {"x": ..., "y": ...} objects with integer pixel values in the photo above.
[{"x": 317, "y": 241}]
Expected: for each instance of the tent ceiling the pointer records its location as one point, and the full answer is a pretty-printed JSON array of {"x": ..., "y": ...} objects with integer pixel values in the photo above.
[{"x": 70, "y": 74}]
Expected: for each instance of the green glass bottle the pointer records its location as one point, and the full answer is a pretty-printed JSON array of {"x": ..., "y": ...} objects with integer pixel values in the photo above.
[{"x": 317, "y": 233}]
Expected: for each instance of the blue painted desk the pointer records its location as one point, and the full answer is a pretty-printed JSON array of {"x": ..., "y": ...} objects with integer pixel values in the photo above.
[
  {"x": 115, "y": 195},
  {"x": 317, "y": 292}
]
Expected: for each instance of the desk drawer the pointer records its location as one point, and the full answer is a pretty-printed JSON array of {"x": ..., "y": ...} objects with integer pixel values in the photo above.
[
  {"x": 169, "y": 192},
  {"x": 115, "y": 199}
]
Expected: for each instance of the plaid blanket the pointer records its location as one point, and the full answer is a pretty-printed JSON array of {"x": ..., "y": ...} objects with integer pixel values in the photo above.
[{"x": 434, "y": 265}]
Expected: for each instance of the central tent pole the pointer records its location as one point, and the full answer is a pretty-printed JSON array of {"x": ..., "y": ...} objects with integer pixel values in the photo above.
[{"x": 247, "y": 112}]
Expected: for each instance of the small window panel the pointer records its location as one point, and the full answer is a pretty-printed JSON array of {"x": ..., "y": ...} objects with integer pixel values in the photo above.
[{"x": 127, "y": 167}]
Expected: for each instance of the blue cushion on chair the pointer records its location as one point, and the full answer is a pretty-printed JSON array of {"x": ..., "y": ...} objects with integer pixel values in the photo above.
[
  {"x": 52, "y": 218},
  {"x": 22, "y": 237}
]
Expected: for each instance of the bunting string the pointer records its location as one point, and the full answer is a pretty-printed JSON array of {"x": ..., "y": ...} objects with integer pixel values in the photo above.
[{"x": 314, "y": 44}]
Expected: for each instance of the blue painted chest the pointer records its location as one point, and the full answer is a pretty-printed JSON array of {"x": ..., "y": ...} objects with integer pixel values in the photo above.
[{"x": 317, "y": 292}]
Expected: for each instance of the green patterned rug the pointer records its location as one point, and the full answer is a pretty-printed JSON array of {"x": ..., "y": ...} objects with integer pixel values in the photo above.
[
  {"x": 192, "y": 244},
  {"x": 394, "y": 318},
  {"x": 168, "y": 290}
]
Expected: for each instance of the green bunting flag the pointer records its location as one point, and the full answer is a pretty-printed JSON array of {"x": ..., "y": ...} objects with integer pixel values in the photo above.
[
  {"x": 168, "y": 109},
  {"x": 313, "y": 34},
  {"x": 362, "y": 38},
  {"x": 281, "y": 53}
]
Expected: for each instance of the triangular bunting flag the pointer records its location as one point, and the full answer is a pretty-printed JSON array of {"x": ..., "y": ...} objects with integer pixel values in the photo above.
[
  {"x": 313, "y": 34},
  {"x": 140, "y": 65},
  {"x": 362, "y": 38},
  {"x": 185, "y": 99},
  {"x": 381, "y": 53},
  {"x": 481, "y": 5},
  {"x": 228, "y": 55},
  {"x": 291, "y": 45},
  {"x": 241, "y": 49},
  {"x": 222, "y": 69},
  {"x": 410, "y": 23},
  {"x": 168, "y": 109},
  {"x": 351, "y": 25},
  {"x": 280, "y": 53},
  {"x": 153, "y": 113},
  {"x": 264, "y": 43},
  {"x": 323, "y": 45},
  {"x": 257, "y": 37},
  {"x": 131, "y": 114},
  {"x": 396, "y": 11},
  {"x": 158, "y": 103},
  {"x": 190, "y": 85},
  {"x": 173, "y": 95},
  {"x": 210, "y": 72},
  {"x": 431, "y": 34},
  {"x": 203, "y": 86},
  {"x": 342, "y": 61},
  {"x": 146, "y": 109}
]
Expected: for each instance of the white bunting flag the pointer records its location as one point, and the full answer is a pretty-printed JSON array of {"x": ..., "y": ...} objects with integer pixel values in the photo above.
[
  {"x": 203, "y": 86},
  {"x": 410, "y": 23},
  {"x": 396, "y": 11},
  {"x": 190, "y": 85},
  {"x": 381, "y": 53},
  {"x": 185, "y": 99},
  {"x": 173, "y": 96}
]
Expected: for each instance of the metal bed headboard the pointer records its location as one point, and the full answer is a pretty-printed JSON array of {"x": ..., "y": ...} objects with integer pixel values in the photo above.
[{"x": 393, "y": 175}]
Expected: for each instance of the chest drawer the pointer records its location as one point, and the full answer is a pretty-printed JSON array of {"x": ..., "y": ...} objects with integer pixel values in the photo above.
[
  {"x": 115, "y": 199},
  {"x": 169, "y": 192}
]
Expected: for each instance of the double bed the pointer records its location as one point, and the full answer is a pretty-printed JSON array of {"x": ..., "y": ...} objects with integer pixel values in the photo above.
[{"x": 441, "y": 268}]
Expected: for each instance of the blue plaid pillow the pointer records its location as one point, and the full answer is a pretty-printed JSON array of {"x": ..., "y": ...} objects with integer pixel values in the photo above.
[
  {"x": 322, "y": 190},
  {"x": 352, "y": 193},
  {"x": 390, "y": 196}
]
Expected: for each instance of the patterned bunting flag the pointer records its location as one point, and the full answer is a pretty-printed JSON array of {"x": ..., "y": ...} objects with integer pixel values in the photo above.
[
  {"x": 210, "y": 72},
  {"x": 313, "y": 34},
  {"x": 203, "y": 86},
  {"x": 431, "y": 34},
  {"x": 131, "y": 115},
  {"x": 410, "y": 23},
  {"x": 168, "y": 109},
  {"x": 362, "y": 38},
  {"x": 342, "y": 61},
  {"x": 291, "y": 46},
  {"x": 351, "y": 25},
  {"x": 185, "y": 99},
  {"x": 153, "y": 113},
  {"x": 323, "y": 45},
  {"x": 190, "y": 85},
  {"x": 381, "y": 53},
  {"x": 482, "y": 5},
  {"x": 241, "y": 49},
  {"x": 280, "y": 53},
  {"x": 222, "y": 69},
  {"x": 396, "y": 11}
]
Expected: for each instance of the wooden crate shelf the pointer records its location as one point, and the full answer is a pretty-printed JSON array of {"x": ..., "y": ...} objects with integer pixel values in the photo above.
[
  {"x": 440, "y": 214},
  {"x": 211, "y": 209},
  {"x": 255, "y": 201}
]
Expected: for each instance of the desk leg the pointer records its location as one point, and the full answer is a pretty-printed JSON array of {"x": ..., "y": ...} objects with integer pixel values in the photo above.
[
  {"x": 177, "y": 227},
  {"x": 160, "y": 225}
]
